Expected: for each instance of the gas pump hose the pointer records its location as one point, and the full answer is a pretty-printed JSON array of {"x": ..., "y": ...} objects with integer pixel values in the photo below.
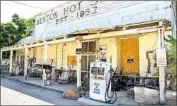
[
  {"x": 107, "y": 93},
  {"x": 86, "y": 88},
  {"x": 85, "y": 93}
]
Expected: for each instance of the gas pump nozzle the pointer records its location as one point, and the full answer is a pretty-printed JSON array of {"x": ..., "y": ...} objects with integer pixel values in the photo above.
[{"x": 111, "y": 71}]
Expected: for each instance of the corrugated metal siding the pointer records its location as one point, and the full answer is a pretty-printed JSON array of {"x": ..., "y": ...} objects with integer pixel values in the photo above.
[{"x": 111, "y": 13}]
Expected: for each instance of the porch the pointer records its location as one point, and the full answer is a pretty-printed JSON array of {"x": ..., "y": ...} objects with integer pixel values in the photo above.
[{"x": 38, "y": 82}]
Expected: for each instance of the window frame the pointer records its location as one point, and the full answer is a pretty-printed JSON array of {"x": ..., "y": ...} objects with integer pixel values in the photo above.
[{"x": 87, "y": 53}]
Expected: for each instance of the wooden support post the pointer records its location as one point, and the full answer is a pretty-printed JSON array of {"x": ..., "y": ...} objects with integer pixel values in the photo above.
[
  {"x": 79, "y": 70},
  {"x": 161, "y": 68},
  {"x": 97, "y": 47},
  {"x": 26, "y": 63},
  {"x": 45, "y": 53},
  {"x": 114, "y": 53},
  {"x": 45, "y": 62},
  {"x": 11, "y": 55},
  {"x": 78, "y": 41}
]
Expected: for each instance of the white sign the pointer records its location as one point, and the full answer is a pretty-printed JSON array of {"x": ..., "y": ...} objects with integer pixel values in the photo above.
[
  {"x": 68, "y": 12},
  {"x": 82, "y": 15},
  {"x": 57, "y": 20},
  {"x": 161, "y": 57}
]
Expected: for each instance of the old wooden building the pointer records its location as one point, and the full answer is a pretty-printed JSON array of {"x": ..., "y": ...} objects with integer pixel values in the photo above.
[{"x": 124, "y": 33}]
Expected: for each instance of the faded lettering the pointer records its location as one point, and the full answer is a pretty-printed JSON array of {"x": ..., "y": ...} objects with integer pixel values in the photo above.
[{"x": 73, "y": 11}]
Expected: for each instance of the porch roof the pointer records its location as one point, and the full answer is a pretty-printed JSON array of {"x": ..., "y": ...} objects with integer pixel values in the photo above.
[{"x": 72, "y": 36}]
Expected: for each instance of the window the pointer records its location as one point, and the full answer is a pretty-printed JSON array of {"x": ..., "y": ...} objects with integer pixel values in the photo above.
[
  {"x": 84, "y": 63},
  {"x": 89, "y": 47},
  {"x": 101, "y": 71},
  {"x": 94, "y": 71},
  {"x": 92, "y": 46},
  {"x": 92, "y": 58},
  {"x": 84, "y": 47},
  {"x": 88, "y": 55}
]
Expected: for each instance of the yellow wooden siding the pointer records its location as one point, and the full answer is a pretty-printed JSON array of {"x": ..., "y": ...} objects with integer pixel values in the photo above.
[
  {"x": 39, "y": 54},
  {"x": 68, "y": 50},
  {"x": 51, "y": 53},
  {"x": 31, "y": 52},
  {"x": 118, "y": 52},
  {"x": 112, "y": 52},
  {"x": 146, "y": 43}
]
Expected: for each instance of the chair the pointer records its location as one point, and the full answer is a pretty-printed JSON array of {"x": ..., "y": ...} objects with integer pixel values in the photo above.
[
  {"x": 66, "y": 76},
  {"x": 63, "y": 76}
]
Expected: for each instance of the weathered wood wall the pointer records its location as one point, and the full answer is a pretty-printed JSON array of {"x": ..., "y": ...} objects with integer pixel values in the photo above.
[{"x": 108, "y": 14}]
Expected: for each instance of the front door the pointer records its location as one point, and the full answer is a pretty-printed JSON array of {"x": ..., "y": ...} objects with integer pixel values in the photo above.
[{"x": 130, "y": 55}]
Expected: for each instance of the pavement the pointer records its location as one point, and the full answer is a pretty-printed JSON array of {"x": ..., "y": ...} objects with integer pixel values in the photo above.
[
  {"x": 16, "y": 93},
  {"x": 13, "y": 89},
  {"x": 89, "y": 101},
  {"x": 39, "y": 83},
  {"x": 11, "y": 97},
  {"x": 122, "y": 99}
]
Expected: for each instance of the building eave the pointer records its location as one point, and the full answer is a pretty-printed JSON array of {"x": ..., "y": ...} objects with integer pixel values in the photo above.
[{"x": 117, "y": 31}]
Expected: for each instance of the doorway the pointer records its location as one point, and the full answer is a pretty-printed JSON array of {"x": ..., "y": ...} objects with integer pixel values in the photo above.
[
  {"x": 88, "y": 56},
  {"x": 130, "y": 55}
]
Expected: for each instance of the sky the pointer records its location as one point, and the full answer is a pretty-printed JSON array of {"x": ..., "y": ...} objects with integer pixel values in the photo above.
[{"x": 8, "y": 8}]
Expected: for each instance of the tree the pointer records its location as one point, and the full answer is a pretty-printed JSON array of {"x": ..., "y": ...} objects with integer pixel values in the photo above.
[
  {"x": 15, "y": 30},
  {"x": 171, "y": 56},
  {"x": 12, "y": 32},
  {"x": 8, "y": 34},
  {"x": 29, "y": 27}
]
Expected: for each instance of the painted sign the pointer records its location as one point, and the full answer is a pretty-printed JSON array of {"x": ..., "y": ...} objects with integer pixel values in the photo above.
[
  {"x": 81, "y": 15},
  {"x": 73, "y": 11},
  {"x": 72, "y": 60},
  {"x": 96, "y": 88},
  {"x": 47, "y": 23}
]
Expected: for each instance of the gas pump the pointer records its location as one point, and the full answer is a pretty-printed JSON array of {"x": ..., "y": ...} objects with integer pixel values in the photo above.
[{"x": 100, "y": 82}]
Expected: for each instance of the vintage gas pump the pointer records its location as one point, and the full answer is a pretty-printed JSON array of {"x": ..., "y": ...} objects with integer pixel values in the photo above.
[{"x": 100, "y": 82}]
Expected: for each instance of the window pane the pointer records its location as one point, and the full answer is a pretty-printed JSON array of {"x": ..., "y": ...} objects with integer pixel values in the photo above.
[
  {"x": 92, "y": 46},
  {"x": 94, "y": 70},
  {"x": 91, "y": 59},
  {"x": 101, "y": 71},
  {"x": 84, "y": 47},
  {"x": 84, "y": 63}
]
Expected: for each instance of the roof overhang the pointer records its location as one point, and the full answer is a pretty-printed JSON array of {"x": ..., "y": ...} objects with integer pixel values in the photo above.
[{"x": 127, "y": 29}]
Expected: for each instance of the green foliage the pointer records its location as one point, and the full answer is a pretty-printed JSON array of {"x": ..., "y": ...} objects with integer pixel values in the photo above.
[
  {"x": 15, "y": 30},
  {"x": 171, "y": 49},
  {"x": 29, "y": 27},
  {"x": 171, "y": 56},
  {"x": 7, "y": 34}
]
